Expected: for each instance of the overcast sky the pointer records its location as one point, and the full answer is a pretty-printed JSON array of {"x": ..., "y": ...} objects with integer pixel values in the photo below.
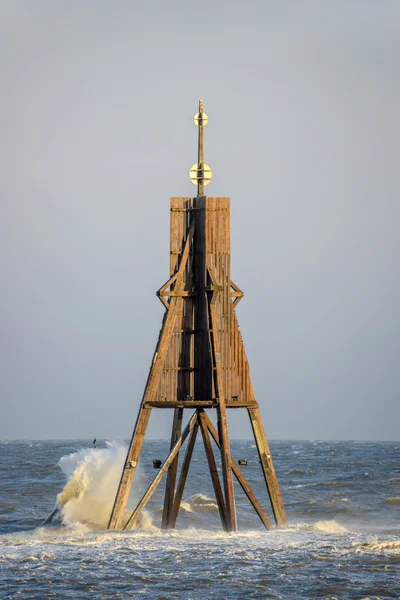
[{"x": 96, "y": 116}]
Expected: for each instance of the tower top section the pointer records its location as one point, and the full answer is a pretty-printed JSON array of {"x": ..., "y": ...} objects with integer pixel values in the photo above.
[{"x": 200, "y": 174}]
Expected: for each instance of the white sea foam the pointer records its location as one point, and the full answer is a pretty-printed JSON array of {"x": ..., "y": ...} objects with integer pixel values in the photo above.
[
  {"x": 391, "y": 546},
  {"x": 199, "y": 503},
  {"x": 93, "y": 476},
  {"x": 329, "y": 527}
]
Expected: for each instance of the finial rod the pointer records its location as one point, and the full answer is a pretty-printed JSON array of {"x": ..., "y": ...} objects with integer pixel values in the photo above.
[
  {"x": 200, "y": 174},
  {"x": 200, "y": 161}
]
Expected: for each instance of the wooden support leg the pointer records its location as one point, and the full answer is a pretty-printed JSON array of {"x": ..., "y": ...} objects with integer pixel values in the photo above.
[
  {"x": 152, "y": 487},
  {"x": 129, "y": 469},
  {"x": 241, "y": 479},
  {"x": 226, "y": 467},
  {"x": 171, "y": 475},
  {"x": 182, "y": 479},
  {"x": 267, "y": 466},
  {"x": 222, "y": 422},
  {"x": 214, "y": 473}
]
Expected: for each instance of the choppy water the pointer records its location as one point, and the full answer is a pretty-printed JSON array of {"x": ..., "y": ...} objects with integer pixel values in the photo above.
[{"x": 343, "y": 538}]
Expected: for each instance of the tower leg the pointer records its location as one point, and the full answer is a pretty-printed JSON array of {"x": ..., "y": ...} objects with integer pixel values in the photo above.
[
  {"x": 267, "y": 466},
  {"x": 171, "y": 475},
  {"x": 226, "y": 467},
  {"x": 129, "y": 470},
  {"x": 214, "y": 473},
  {"x": 182, "y": 479}
]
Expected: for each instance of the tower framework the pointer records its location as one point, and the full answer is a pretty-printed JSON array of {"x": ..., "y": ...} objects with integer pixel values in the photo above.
[{"x": 199, "y": 363}]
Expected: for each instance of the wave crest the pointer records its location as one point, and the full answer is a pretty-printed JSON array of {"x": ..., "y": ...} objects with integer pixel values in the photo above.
[
  {"x": 88, "y": 496},
  {"x": 377, "y": 546},
  {"x": 329, "y": 527},
  {"x": 199, "y": 503}
]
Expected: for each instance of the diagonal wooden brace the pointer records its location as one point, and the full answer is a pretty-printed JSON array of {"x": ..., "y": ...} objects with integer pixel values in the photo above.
[
  {"x": 214, "y": 473},
  {"x": 182, "y": 478},
  {"x": 178, "y": 276},
  {"x": 267, "y": 466},
  {"x": 171, "y": 475}
]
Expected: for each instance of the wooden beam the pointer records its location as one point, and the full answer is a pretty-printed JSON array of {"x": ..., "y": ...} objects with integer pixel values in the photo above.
[
  {"x": 152, "y": 487},
  {"x": 214, "y": 473},
  {"x": 129, "y": 470},
  {"x": 241, "y": 478},
  {"x": 198, "y": 404},
  {"x": 178, "y": 288},
  {"x": 51, "y": 516},
  {"x": 267, "y": 465},
  {"x": 171, "y": 475},
  {"x": 237, "y": 293},
  {"x": 174, "y": 294},
  {"x": 183, "y": 476},
  {"x": 222, "y": 420}
]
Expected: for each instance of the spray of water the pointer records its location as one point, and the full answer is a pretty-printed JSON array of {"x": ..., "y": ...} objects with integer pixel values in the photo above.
[{"x": 92, "y": 480}]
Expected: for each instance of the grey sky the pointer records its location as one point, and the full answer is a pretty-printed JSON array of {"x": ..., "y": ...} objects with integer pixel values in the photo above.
[{"x": 96, "y": 108}]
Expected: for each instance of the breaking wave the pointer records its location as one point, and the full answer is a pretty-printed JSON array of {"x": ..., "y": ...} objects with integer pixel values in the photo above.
[
  {"x": 321, "y": 526},
  {"x": 88, "y": 496},
  {"x": 200, "y": 504},
  {"x": 329, "y": 527},
  {"x": 377, "y": 546}
]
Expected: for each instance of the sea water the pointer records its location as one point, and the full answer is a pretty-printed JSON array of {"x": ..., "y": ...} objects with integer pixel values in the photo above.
[{"x": 342, "y": 540}]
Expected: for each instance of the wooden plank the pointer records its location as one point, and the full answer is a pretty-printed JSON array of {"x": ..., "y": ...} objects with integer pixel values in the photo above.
[
  {"x": 130, "y": 468},
  {"x": 198, "y": 404},
  {"x": 214, "y": 473},
  {"x": 153, "y": 486},
  {"x": 267, "y": 466},
  {"x": 172, "y": 236},
  {"x": 241, "y": 479},
  {"x": 171, "y": 475},
  {"x": 51, "y": 516},
  {"x": 182, "y": 478}
]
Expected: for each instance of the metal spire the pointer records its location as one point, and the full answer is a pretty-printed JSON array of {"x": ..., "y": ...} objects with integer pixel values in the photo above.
[{"x": 200, "y": 174}]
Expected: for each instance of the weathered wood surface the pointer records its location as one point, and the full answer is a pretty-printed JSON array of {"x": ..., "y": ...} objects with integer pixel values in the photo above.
[
  {"x": 223, "y": 427},
  {"x": 267, "y": 465},
  {"x": 129, "y": 469},
  {"x": 197, "y": 404},
  {"x": 171, "y": 475},
  {"x": 189, "y": 346},
  {"x": 182, "y": 478},
  {"x": 214, "y": 473},
  {"x": 200, "y": 360}
]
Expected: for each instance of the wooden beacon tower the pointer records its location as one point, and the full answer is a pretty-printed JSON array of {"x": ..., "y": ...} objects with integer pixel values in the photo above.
[{"x": 199, "y": 363}]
